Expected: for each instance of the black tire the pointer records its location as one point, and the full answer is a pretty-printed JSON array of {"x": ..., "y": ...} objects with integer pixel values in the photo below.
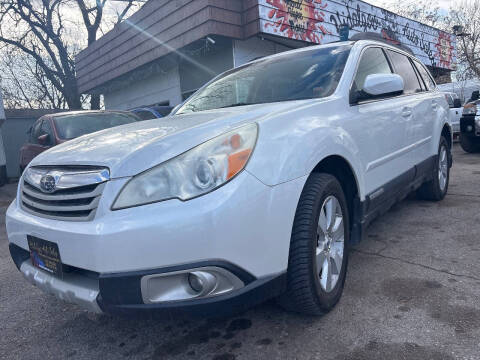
[
  {"x": 432, "y": 190},
  {"x": 468, "y": 145},
  {"x": 304, "y": 293}
]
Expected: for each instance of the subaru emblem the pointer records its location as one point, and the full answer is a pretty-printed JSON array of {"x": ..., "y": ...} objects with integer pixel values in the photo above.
[{"x": 48, "y": 183}]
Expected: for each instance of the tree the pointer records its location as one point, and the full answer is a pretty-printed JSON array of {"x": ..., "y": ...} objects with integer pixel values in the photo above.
[
  {"x": 48, "y": 34},
  {"x": 467, "y": 15},
  {"x": 25, "y": 83},
  {"x": 421, "y": 11}
]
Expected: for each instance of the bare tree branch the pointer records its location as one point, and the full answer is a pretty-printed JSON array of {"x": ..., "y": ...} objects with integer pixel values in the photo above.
[{"x": 43, "y": 31}]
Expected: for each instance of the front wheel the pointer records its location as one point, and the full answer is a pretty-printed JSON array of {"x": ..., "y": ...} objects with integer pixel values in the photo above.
[
  {"x": 318, "y": 256},
  {"x": 437, "y": 188},
  {"x": 468, "y": 145}
]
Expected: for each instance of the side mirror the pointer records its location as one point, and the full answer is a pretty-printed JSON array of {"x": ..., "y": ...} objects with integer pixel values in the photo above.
[
  {"x": 383, "y": 85},
  {"x": 457, "y": 103},
  {"x": 44, "y": 139}
]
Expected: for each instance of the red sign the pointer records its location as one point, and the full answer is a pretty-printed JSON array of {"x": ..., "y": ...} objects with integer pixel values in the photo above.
[
  {"x": 444, "y": 49},
  {"x": 301, "y": 19}
]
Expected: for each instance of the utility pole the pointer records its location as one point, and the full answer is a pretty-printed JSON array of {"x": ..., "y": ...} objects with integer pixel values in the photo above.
[
  {"x": 2, "y": 110},
  {"x": 3, "y": 159}
]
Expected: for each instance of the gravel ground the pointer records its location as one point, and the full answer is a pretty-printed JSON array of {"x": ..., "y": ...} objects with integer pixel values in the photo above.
[{"x": 412, "y": 292}]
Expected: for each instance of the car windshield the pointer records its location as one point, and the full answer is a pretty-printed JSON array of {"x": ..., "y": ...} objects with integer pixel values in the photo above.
[
  {"x": 75, "y": 125},
  {"x": 295, "y": 76}
]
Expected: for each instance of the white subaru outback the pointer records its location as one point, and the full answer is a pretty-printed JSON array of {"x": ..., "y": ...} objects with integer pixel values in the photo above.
[{"x": 255, "y": 188}]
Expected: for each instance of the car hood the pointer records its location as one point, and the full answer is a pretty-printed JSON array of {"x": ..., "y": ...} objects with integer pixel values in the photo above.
[{"x": 130, "y": 149}]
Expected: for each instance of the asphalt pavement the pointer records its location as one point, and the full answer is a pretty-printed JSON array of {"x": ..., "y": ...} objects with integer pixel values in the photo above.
[{"x": 412, "y": 292}]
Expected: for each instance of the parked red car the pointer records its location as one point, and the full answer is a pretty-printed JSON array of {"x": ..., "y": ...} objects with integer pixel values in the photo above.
[{"x": 54, "y": 129}]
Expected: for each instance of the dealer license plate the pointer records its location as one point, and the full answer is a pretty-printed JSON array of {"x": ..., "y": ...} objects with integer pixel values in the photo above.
[{"x": 45, "y": 255}]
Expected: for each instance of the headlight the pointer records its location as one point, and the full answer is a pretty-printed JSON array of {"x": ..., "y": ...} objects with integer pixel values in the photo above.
[
  {"x": 193, "y": 173},
  {"x": 470, "y": 109}
]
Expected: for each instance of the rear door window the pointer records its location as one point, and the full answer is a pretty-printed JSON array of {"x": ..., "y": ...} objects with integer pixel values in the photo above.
[
  {"x": 419, "y": 77},
  {"x": 404, "y": 68},
  {"x": 427, "y": 78}
]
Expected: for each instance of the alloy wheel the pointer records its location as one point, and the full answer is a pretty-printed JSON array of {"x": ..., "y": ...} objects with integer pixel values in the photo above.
[
  {"x": 443, "y": 168},
  {"x": 330, "y": 243}
]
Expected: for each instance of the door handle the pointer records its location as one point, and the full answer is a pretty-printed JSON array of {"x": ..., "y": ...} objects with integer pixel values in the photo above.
[
  {"x": 434, "y": 105},
  {"x": 406, "y": 112}
]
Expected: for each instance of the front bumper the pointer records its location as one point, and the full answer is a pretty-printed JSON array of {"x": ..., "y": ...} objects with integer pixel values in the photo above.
[
  {"x": 245, "y": 224},
  {"x": 122, "y": 294},
  {"x": 470, "y": 126}
]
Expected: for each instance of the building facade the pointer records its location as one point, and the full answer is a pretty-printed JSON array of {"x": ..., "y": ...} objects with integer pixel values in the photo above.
[{"x": 170, "y": 48}]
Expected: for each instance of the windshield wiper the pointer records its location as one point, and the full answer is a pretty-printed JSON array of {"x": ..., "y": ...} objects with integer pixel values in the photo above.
[{"x": 236, "y": 104}]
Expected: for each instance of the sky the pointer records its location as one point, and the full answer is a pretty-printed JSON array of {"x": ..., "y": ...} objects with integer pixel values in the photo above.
[{"x": 441, "y": 3}]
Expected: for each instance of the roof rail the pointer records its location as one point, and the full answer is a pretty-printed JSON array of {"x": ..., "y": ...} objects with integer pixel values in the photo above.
[{"x": 384, "y": 37}]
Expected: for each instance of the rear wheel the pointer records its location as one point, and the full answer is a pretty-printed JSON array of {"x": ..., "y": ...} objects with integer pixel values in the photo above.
[
  {"x": 468, "y": 145},
  {"x": 318, "y": 248},
  {"x": 437, "y": 188}
]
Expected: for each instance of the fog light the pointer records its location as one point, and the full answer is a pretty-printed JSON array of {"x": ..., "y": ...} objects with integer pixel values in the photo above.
[
  {"x": 469, "y": 128},
  {"x": 202, "y": 282},
  {"x": 188, "y": 284},
  {"x": 195, "y": 282}
]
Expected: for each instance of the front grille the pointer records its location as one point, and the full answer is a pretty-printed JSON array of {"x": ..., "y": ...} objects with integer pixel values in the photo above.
[{"x": 77, "y": 203}]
